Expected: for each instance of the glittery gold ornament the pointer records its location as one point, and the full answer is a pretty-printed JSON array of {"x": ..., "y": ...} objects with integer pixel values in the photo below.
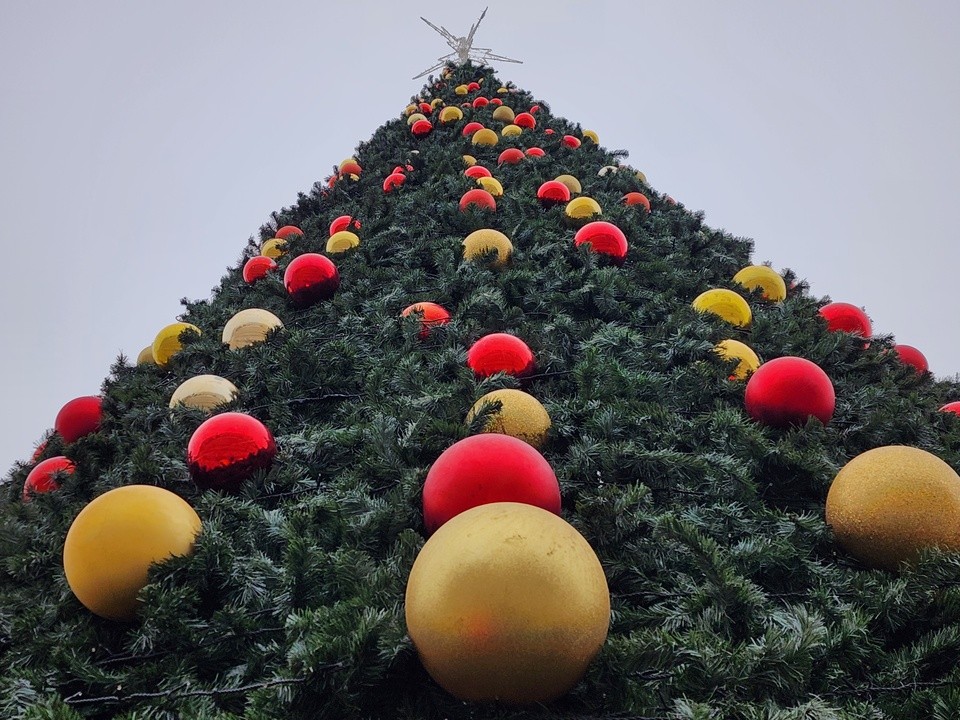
[
  {"x": 582, "y": 208},
  {"x": 573, "y": 185},
  {"x": 491, "y": 185},
  {"x": 341, "y": 242},
  {"x": 736, "y": 350},
  {"x": 503, "y": 114},
  {"x": 763, "y": 278},
  {"x": 485, "y": 138},
  {"x": 889, "y": 503},
  {"x": 520, "y": 415},
  {"x": 273, "y": 248},
  {"x": 508, "y": 602},
  {"x": 249, "y": 327},
  {"x": 167, "y": 342},
  {"x": 726, "y": 304},
  {"x": 204, "y": 392},
  {"x": 480, "y": 242}
]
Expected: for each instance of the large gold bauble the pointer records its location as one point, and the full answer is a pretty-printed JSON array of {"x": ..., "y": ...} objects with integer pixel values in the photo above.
[
  {"x": 507, "y": 601},
  {"x": 450, "y": 114},
  {"x": 511, "y": 130},
  {"x": 414, "y": 117},
  {"x": 249, "y": 327},
  {"x": 520, "y": 415},
  {"x": 765, "y": 279},
  {"x": 889, "y": 503},
  {"x": 273, "y": 248},
  {"x": 480, "y": 242},
  {"x": 204, "y": 392},
  {"x": 491, "y": 185},
  {"x": 167, "y": 342},
  {"x": 469, "y": 160},
  {"x": 591, "y": 136}
]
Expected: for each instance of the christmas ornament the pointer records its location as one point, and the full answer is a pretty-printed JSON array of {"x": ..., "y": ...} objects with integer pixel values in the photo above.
[
  {"x": 765, "y": 279},
  {"x": 426, "y": 108},
  {"x": 410, "y": 109},
  {"x": 204, "y": 392},
  {"x": 471, "y": 127},
  {"x": 496, "y": 101},
  {"x": 146, "y": 356},
  {"x": 952, "y": 407},
  {"x": 844, "y": 317},
  {"x": 257, "y": 267},
  {"x": 570, "y": 141},
  {"x": 747, "y": 359},
  {"x": 591, "y": 136},
  {"x": 491, "y": 185},
  {"x": 510, "y": 156},
  {"x": 344, "y": 222},
  {"x": 393, "y": 181},
  {"x": 725, "y": 304},
  {"x": 415, "y": 118},
  {"x": 503, "y": 114},
  {"x": 480, "y": 102},
  {"x": 535, "y": 152},
  {"x": 432, "y": 315},
  {"x": 573, "y": 185},
  {"x": 511, "y": 130},
  {"x": 450, "y": 115},
  {"x": 273, "y": 248},
  {"x": 42, "y": 479},
  {"x": 469, "y": 160},
  {"x": 553, "y": 193},
  {"x": 350, "y": 166},
  {"x": 421, "y": 128},
  {"x": 636, "y": 198},
  {"x": 525, "y": 120},
  {"x": 477, "y": 199},
  {"x": 534, "y": 109},
  {"x": 477, "y": 171},
  {"x": 507, "y": 602},
  {"x": 116, "y": 538},
  {"x": 604, "y": 238},
  {"x": 789, "y": 391},
  {"x": 548, "y": 131},
  {"x": 607, "y": 170},
  {"x": 481, "y": 242},
  {"x": 249, "y": 327},
  {"x": 582, "y": 208},
  {"x": 520, "y": 415},
  {"x": 485, "y": 138},
  {"x": 485, "y": 469},
  {"x": 888, "y": 504},
  {"x": 909, "y": 355},
  {"x": 341, "y": 242},
  {"x": 310, "y": 278},
  {"x": 167, "y": 342},
  {"x": 79, "y": 417},
  {"x": 289, "y": 231},
  {"x": 227, "y": 449},
  {"x": 643, "y": 178},
  {"x": 502, "y": 90},
  {"x": 473, "y": 86},
  {"x": 500, "y": 352}
]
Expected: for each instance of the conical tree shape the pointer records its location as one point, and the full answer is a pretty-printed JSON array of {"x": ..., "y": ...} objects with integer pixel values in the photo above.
[{"x": 729, "y": 595}]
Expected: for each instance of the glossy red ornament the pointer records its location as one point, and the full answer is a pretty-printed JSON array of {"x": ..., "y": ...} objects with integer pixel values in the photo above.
[
  {"x": 909, "y": 355},
  {"x": 471, "y": 87},
  {"x": 432, "y": 313},
  {"x": 548, "y": 131},
  {"x": 789, "y": 391},
  {"x": 605, "y": 238},
  {"x": 477, "y": 171},
  {"x": 637, "y": 198},
  {"x": 525, "y": 120},
  {"x": 426, "y": 108},
  {"x": 310, "y": 278},
  {"x": 227, "y": 449},
  {"x": 422, "y": 128},
  {"x": 844, "y": 317},
  {"x": 480, "y": 102},
  {"x": 257, "y": 267},
  {"x": 402, "y": 169},
  {"x": 952, "y": 407},
  {"x": 510, "y": 156},
  {"x": 39, "y": 451},
  {"x": 288, "y": 231},
  {"x": 41, "y": 479},
  {"x": 471, "y": 127},
  {"x": 500, "y": 352},
  {"x": 343, "y": 223},
  {"x": 534, "y": 109},
  {"x": 483, "y": 469},
  {"x": 535, "y": 152},
  {"x": 81, "y": 416},
  {"x": 570, "y": 141},
  {"x": 350, "y": 168},
  {"x": 553, "y": 192},
  {"x": 394, "y": 180},
  {"x": 496, "y": 101},
  {"x": 479, "y": 199},
  {"x": 669, "y": 200}
]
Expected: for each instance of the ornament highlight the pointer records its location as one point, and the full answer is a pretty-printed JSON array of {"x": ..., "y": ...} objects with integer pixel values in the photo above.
[
  {"x": 227, "y": 449},
  {"x": 310, "y": 278},
  {"x": 249, "y": 327},
  {"x": 204, "y": 392},
  {"x": 520, "y": 415},
  {"x": 79, "y": 417},
  {"x": 500, "y": 352},
  {"x": 725, "y": 304},
  {"x": 789, "y": 391}
]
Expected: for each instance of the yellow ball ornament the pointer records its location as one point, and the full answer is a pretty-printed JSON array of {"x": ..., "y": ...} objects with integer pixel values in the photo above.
[
  {"x": 503, "y": 114},
  {"x": 436, "y": 102},
  {"x": 273, "y": 248},
  {"x": 607, "y": 170},
  {"x": 582, "y": 208},
  {"x": 641, "y": 177},
  {"x": 249, "y": 327},
  {"x": 469, "y": 160},
  {"x": 481, "y": 242},
  {"x": 167, "y": 342},
  {"x": 342, "y": 241},
  {"x": 410, "y": 109},
  {"x": 765, "y": 279},
  {"x": 591, "y": 136},
  {"x": 502, "y": 90},
  {"x": 888, "y": 504},
  {"x": 204, "y": 392},
  {"x": 485, "y": 138},
  {"x": 461, "y": 90},
  {"x": 520, "y": 415},
  {"x": 573, "y": 185},
  {"x": 450, "y": 115},
  {"x": 507, "y": 602},
  {"x": 736, "y": 350},
  {"x": 511, "y": 130},
  {"x": 414, "y": 117},
  {"x": 726, "y": 304},
  {"x": 117, "y": 537},
  {"x": 146, "y": 356},
  {"x": 491, "y": 185}
]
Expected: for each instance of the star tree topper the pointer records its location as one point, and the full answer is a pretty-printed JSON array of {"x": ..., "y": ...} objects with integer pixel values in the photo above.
[{"x": 463, "y": 49}]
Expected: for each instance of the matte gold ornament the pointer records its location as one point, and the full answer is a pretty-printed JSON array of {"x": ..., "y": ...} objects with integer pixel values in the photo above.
[
  {"x": 503, "y": 114},
  {"x": 508, "y": 602},
  {"x": 491, "y": 185},
  {"x": 520, "y": 415},
  {"x": 167, "y": 342},
  {"x": 341, "y": 242},
  {"x": 726, "y": 304},
  {"x": 888, "y": 504},
  {"x": 146, "y": 356},
  {"x": 485, "y": 138},
  {"x": 765, "y": 279},
  {"x": 480, "y": 242},
  {"x": 204, "y": 392},
  {"x": 511, "y": 130},
  {"x": 273, "y": 248},
  {"x": 573, "y": 185},
  {"x": 249, "y": 327},
  {"x": 736, "y": 350}
]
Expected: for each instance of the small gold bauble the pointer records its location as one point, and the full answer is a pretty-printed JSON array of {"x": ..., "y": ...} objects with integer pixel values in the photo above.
[
  {"x": 889, "y": 503},
  {"x": 582, "y": 208},
  {"x": 491, "y": 185},
  {"x": 146, "y": 356},
  {"x": 591, "y": 136},
  {"x": 469, "y": 160},
  {"x": 765, "y": 279},
  {"x": 508, "y": 602},
  {"x": 414, "y": 117},
  {"x": 485, "y": 137},
  {"x": 273, "y": 248},
  {"x": 480, "y": 242},
  {"x": 461, "y": 90},
  {"x": 607, "y": 170},
  {"x": 503, "y": 114},
  {"x": 436, "y": 102},
  {"x": 736, "y": 350},
  {"x": 726, "y": 304},
  {"x": 249, "y": 327},
  {"x": 450, "y": 115},
  {"x": 511, "y": 130},
  {"x": 573, "y": 185},
  {"x": 342, "y": 241},
  {"x": 520, "y": 415},
  {"x": 167, "y": 342},
  {"x": 204, "y": 392},
  {"x": 641, "y": 177},
  {"x": 410, "y": 109}
]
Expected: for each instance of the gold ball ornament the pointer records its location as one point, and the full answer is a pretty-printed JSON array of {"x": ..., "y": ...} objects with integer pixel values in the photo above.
[
  {"x": 520, "y": 415},
  {"x": 503, "y": 114},
  {"x": 249, "y": 327},
  {"x": 491, "y": 185},
  {"x": 582, "y": 208},
  {"x": 167, "y": 342},
  {"x": 485, "y": 138},
  {"x": 591, "y": 136},
  {"x": 450, "y": 114},
  {"x": 507, "y": 602},
  {"x": 342, "y": 241},
  {"x": 511, "y": 130},
  {"x": 726, "y": 304},
  {"x": 640, "y": 176},
  {"x": 481, "y": 242},
  {"x": 414, "y": 117},
  {"x": 573, "y": 185},
  {"x": 204, "y": 392},
  {"x": 765, "y": 279},
  {"x": 888, "y": 504},
  {"x": 469, "y": 160},
  {"x": 461, "y": 90},
  {"x": 736, "y": 350},
  {"x": 273, "y": 248},
  {"x": 146, "y": 356},
  {"x": 410, "y": 109},
  {"x": 117, "y": 537},
  {"x": 607, "y": 170},
  {"x": 502, "y": 90},
  {"x": 436, "y": 102}
]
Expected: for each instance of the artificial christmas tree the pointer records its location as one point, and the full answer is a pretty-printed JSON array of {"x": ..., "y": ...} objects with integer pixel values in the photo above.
[{"x": 729, "y": 595}]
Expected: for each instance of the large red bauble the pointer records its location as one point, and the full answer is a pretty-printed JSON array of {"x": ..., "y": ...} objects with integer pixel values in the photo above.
[
  {"x": 952, "y": 407},
  {"x": 81, "y": 416},
  {"x": 525, "y": 120},
  {"x": 257, "y": 267},
  {"x": 789, "y": 391},
  {"x": 227, "y": 449},
  {"x": 470, "y": 128},
  {"x": 510, "y": 156},
  {"x": 500, "y": 352},
  {"x": 535, "y": 152},
  {"x": 484, "y": 469},
  {"x": 480, "y": 102},
  {"x": 309, "y": 278},
  {"x": 909, "y": 355},
  {"x": 343, "y": 223},
  {"x": 422, "y": 128},
  {"x": 477, "y": 171},
  {"x": 553, "y": 192},
  {"x": 477, "y": 198},
  {"x": 605, "y": 238},
  {"x": 570, "y": 141},
  {"x": 394, "y": 180},
  {"x": 841, "y": 316},
  {"x": 637, "y": 198},
  {"x": 433, "y": 315},
  {"x": 41, "y": 480},
  {"x": 288, "y": 231}
]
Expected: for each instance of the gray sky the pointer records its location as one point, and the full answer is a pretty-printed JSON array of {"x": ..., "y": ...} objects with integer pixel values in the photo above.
[{"x": 141, "y": 144}]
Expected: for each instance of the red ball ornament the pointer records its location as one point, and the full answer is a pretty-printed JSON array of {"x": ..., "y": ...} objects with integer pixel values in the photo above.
[
  {"x": 500, "y": 352},
  {"x": 479, "y": 199},
  {"x": 288, "y": 231},
  {"x": 605, "y": 238},
  {"x": 483, "y": 469},
  {"x": 510, "y": 156},
  {"x": 553, "y": 192},
  {"x": 258, "y": 267},
  {"x": 394, "y": 180},
  {"x": 952, "y": 407},
  {"x": 81, "y": 416},
  {"x": 477, "y": 171},
  {"x": 480, "y": 102},
  {"x": 227, "y": 449},
  {"x": 548, "y": 131},
  {"x": 472, "y": 87},
  {"x": 534, "y": 109},
  {"x": 422, "y": 128},
  {"x": 909, "y": 355},
  {"x": 41, "y": 479},
  {"x": 535, "y": 152},
  {"x": 350, "y": 168},
  {"x": 471, "y": 127},
  {"x": 789, "y": 391},
  {"x": 525, "y": 120},
  {"x": 570, "y": 141},
  {"x": 426, "y": 108},
  {"x": 310, "y": 278},
  {"x": 433, "y": 315},
  {"x": 496, "y": 101},
  {"x": 39, "y": 451},
  {"x": 637, "y": 198},
  {"x": 844, "y": 317},
  {"x": 343, "y": 223}
]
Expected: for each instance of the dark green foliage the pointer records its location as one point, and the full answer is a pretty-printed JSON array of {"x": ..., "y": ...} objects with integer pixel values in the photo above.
[{"x": 730, "y": 598}]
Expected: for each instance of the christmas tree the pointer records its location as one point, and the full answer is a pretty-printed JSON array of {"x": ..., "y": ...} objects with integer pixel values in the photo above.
[{"x": 305, "y": 410}]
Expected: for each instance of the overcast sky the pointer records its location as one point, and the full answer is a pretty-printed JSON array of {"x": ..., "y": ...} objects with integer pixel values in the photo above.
[{"x": 142, "y": 143}]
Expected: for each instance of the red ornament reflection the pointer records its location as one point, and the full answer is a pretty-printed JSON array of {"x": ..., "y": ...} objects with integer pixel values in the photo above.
[
  {"x": 500, "y": 352},
  {"x": 605, "y": 238},
  {"x": 258, "y": 267},
  {"x": 310, "y": 278},
  {"x": 227, "y": 449}
]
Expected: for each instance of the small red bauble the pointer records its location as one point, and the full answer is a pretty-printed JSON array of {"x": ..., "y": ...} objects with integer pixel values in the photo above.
[
  {"x": 350, "y": 168},
  {"x": 471, "y": 87},
  {"x": 484, "y": 469},
  {"x": 288, "y": 231},
  {"x": 496, "y": 101},
  {"x": 535, "y": 152},
  {"x": 534, "y": 109},
  {"x": 909, "y": 355},
  {"x": 309, "y": 278},
  {"x": 343, "y": 223},
  {"x": 952, "y": 407},
  {"x": 81, "y": 416},
  {"x": 845, "y": 317},
  {"x": 433, "y": 315},
  {"x": 39, "y": 451},
  {"x": 669, "y": 200},
  {"x": 394, "y": 180},
  {"x": 470, "y": 128},
  {"x": 510, "y": 156},
  {"x": 480, "y": 102},
  {"x": 500, "y": 352},
  {"x": 553, "y": 192},
  {"x": 480, "y": 199},
  {"x": 258, "y": 267},
  {"x": 570, "y": 141},
  {"x": 637, "y": 198},
  {"x": 227, "y": 449},
  {"x": 426, "y": 108},
  {"x": 548, "y": 131},
  {"x": 525, "y": 120},
  {"x": 605, "y": 238},
  {"x": 477, "y": 171},
  {"x": 789, "y": 391},
  {"x": 41, "y": 480},
  {"x": 422, "y": 128}
]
